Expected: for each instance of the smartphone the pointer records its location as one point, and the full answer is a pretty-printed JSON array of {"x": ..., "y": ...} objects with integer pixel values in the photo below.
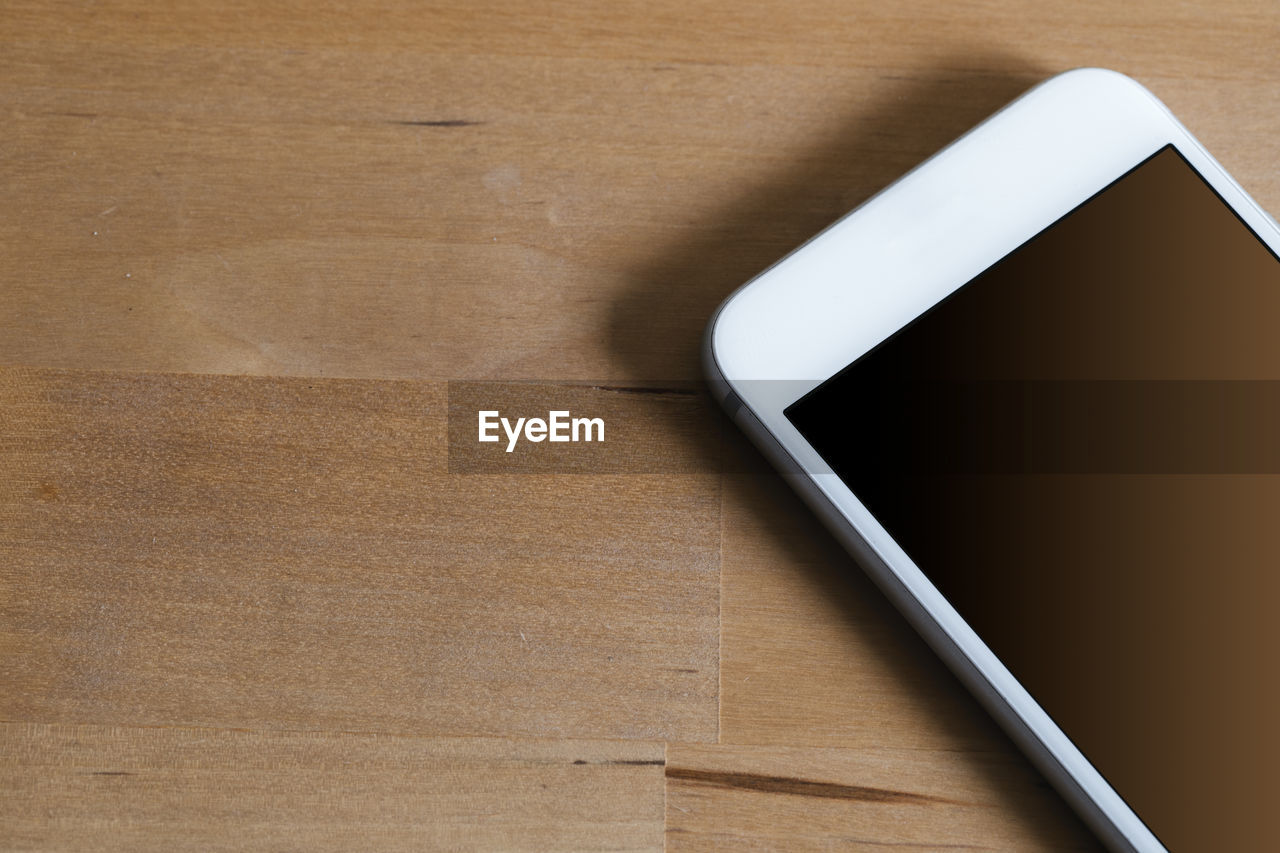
[{"x": 1034, "y": 387}]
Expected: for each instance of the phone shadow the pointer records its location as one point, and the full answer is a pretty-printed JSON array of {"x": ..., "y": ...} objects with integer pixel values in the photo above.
[{"x": 656, "y": 331}]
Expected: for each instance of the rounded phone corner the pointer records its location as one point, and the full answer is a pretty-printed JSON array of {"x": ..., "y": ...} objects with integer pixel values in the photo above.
[{"x": 711, "y": 371}]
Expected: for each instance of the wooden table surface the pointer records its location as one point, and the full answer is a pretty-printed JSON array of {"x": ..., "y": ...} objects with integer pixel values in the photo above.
[{"x": 246, "y": 600}]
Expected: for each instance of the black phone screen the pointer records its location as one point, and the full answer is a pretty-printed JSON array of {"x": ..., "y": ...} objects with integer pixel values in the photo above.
[{"x": 1081, "y": 449}]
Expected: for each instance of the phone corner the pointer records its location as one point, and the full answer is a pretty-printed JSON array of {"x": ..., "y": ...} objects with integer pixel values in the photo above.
[{"x": 721, "y": 390}]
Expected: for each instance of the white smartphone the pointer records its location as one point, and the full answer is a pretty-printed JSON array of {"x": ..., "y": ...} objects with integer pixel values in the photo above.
[{"x": 1034, "y": 387}]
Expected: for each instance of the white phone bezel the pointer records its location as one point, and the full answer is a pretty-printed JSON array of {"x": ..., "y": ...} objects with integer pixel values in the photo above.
[{"x": 869, "y": 274}]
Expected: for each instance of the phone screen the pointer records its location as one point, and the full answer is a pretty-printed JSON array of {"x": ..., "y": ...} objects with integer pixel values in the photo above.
[{"x": 1081, "y": 449}]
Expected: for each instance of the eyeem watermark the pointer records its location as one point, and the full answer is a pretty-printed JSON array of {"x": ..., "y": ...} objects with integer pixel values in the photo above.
[{"x": 558, "y": 426}]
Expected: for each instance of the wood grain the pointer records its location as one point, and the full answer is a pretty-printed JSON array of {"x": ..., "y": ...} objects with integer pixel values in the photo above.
[
  {"x": 771, "y": 798},
  {"x": 502, "y": 191},
  {"x": 485, "y": 190},
  {"x": 99, "y": 788},
  {"x": 288, "y": 553}
]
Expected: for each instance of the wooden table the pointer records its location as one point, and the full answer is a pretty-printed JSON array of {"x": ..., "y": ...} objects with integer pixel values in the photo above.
[{"x": 244, "y": 599}]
